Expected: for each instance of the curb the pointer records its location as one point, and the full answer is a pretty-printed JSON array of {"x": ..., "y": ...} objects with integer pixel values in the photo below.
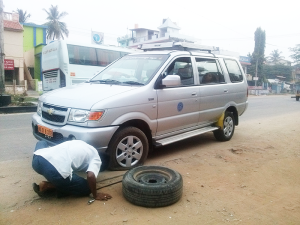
[{"x": 17, "y": 109}]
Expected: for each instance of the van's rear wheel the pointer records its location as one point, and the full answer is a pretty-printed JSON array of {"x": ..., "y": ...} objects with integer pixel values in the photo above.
[
  {"x": 226, "y": 133},
  {"x": 128, "y": 148}
]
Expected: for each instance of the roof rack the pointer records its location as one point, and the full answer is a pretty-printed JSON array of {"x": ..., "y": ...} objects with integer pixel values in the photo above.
[{"x": 182, "y": 46}]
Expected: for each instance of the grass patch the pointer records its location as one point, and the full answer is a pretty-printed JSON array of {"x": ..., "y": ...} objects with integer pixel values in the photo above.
[{"x": 22, "y": 100}]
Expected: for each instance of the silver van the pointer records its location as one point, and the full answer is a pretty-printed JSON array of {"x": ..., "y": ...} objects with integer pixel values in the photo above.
[{"x": 169, "y": 92}]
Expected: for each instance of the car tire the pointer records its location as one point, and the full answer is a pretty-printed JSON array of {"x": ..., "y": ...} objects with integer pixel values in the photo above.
[
  {"x": 128, "y": 148},
  {"x": 297, "y": 98},
  {"x": 152, "y": 186},
  {"x": 227, "y": 132}
]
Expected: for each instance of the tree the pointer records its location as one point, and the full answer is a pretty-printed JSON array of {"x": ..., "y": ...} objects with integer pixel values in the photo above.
[
  {"x": 56, "y": 28},
  {"x": 275, "y": 57},
  {"x": 258, "y": 55},
  {"x": 296, "y": 54},
  {"x": 272, "y": 71},
  {"x": 23, "y": 16}
]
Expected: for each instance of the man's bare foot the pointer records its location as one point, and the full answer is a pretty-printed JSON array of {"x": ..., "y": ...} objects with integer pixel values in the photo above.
[{"x": 103, "y": 196}]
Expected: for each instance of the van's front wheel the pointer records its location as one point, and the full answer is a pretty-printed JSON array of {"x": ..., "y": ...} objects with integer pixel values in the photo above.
[
  {"x": 128, "y": 148},
  {"x": 226, "y": 133}
]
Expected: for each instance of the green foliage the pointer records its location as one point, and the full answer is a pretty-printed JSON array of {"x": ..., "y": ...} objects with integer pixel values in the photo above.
[
  {"x": 272, "y": 71},
  {"x": 22, "y": 100},
  {"x": 258, "y": 55},
  {"x": 275, "y": 56},
  {"x": 296, "y": 53},
  {"x": 23, "y": 16},
  {"x": 56, "y": 28}
]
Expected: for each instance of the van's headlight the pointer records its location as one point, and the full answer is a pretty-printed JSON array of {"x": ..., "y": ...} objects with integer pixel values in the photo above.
[
  {"x": 81, "y": 116},
  {"x": 39, "y": 108}
]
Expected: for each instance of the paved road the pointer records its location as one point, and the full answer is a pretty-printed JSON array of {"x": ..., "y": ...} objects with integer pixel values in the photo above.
[
  {"x": 17, "y": 141},
  {"x": 269, "y": 106}
]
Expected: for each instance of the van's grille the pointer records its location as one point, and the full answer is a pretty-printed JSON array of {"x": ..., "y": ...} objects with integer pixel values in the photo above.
[
  {"x": 54, "y": 114},
  {"x": 55, "y": 107},
  {"x": 53, "y": 118}
]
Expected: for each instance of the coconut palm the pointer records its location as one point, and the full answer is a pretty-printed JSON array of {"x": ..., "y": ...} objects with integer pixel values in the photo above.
[
  {"x": 275, "y": 56},
  {"x": 23, "y": 16},
  {"x": 56, "y": 28}
]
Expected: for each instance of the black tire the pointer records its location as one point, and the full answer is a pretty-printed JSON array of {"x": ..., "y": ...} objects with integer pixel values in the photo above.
[
  {"x": 297, "y": 98},
  {"x": 227, "y": 132},
  {"x": 152, "y": 186},
  {"x": 128, "y": 148}
]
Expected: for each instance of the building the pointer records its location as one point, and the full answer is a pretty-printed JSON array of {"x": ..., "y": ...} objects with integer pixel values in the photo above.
[
  {"x": 23, "y": 45},
  {"x": 13, "y": 49},
  {"x": 34, "y": 39},
  {"x": 167, "y": 31},
  {"x": 245, "y": 61}
]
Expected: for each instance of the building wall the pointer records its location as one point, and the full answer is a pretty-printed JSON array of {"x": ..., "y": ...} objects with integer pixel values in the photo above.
[
  {"x": 39, "y": 36},
  {"x": 28, "y": 57},
  {"x": 34, "y": 39},
  {"x": 37, "y": 68},
  {"x": 13, "y": 49},
  {"x": 13, "y": 42},
  {"x": 28, "y": 38}
]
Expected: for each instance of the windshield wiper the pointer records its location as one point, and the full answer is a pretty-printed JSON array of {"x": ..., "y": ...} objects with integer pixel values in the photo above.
[
  {"x": 106, "y": 81},
  {"x": 132, "y": 82}
]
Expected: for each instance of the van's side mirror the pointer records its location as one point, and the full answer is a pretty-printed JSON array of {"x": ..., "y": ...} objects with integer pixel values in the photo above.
[
  {"x": 167, "y": 81},
  {"x": 171, "y": 81}
]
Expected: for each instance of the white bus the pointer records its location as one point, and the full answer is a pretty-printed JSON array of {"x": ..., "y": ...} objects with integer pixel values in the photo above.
[{"x": 65, "y": 63}]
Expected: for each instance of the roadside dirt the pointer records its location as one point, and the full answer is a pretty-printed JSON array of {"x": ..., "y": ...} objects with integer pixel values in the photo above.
[{"x": 252, "y": 179}]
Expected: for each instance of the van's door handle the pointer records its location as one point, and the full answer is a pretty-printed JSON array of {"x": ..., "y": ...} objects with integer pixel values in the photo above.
[
  {"x": 225, "y": 90},
  {"x": 194, "y": 94}
]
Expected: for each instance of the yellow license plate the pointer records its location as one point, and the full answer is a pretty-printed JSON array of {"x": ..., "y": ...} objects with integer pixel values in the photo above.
[{"x": 45, "y": 130}]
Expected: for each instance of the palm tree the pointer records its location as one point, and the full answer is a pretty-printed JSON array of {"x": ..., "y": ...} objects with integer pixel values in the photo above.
[
  {"x": 23, "y": 16},
  {"x": 56, "y": 28},
  {"x": 275, "y": 56}
]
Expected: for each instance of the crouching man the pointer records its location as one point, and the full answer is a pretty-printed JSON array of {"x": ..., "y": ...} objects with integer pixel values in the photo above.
[{"x": 57, "y": 164}]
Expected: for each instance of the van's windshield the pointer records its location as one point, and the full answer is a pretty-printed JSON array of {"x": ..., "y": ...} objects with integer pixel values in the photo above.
[{"x": 131, "y": 70}]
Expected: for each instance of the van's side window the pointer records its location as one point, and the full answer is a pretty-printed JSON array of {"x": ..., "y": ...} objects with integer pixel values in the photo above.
[
  {"x": 234, "y": 71},
  {"x": 183, "y": 67},
  {"x": 209, "y": 71}
]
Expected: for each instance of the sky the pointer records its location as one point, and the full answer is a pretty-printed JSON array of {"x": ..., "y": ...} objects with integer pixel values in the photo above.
[{"x": 229, "y": 25}]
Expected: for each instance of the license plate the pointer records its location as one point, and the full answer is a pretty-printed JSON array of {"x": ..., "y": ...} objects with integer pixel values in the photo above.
[{"x": 45, "y": 130}]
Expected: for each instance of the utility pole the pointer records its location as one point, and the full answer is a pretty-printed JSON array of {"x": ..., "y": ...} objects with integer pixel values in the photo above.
[
  {"x": 256, "y": 75},
  {"x": 2, "y": 76}
]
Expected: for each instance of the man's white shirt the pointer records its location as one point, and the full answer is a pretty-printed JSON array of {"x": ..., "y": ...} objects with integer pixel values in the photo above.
[{"x": 72, "y": 156}]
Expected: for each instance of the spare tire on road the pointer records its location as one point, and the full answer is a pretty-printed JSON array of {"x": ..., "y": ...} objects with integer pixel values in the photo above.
[{"x": 152, "y": 186}]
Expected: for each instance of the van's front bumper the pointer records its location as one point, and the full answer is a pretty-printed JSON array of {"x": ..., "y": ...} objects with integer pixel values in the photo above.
[{"x": 97, "y": 137}]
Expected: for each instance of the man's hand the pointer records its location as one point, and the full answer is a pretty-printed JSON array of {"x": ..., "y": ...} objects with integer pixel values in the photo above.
[{"x": 103, "y": 196}]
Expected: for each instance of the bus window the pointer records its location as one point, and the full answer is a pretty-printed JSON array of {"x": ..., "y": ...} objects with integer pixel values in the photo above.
[
  {"x": 82, "y": 55},
  {"x": 106, "y": 57}
]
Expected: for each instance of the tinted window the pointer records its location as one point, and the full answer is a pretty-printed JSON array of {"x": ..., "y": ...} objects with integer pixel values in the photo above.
[
  {"x": 82, "y": 55},
  {"x": 92, "y": 56},
  {"x": 209, "y": 71},
  {"x": 234, "y": 71},
  {"x": 106, "y": 57},
  {"x": 182, "y": 67}
]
